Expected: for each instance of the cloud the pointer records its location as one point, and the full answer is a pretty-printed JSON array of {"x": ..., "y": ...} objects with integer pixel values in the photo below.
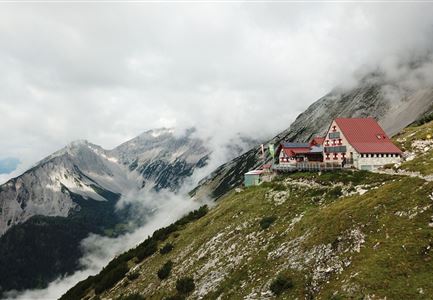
[
  {"x": 107, "y": 72},
  {"x": 165, "y": 208}
]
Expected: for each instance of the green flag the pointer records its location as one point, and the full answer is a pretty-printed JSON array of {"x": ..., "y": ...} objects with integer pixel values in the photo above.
[{"x": 272, "y": 150}]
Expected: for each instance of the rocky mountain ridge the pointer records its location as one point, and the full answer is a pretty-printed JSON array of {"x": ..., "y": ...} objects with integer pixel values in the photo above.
[
  {"x": 46, "y": 212},
  {"x": 156, "y": 159},
  {"x": 370, "y": 98}
]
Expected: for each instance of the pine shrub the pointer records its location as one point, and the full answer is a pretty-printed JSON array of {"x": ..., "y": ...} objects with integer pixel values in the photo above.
[
  {"x": 281, "y": 284},
  {"x": 185, "y": 285},
  {"x": 133, "y": 275},
  {"x": 111, "y": 278},
  {"x": 165, "y": 270},
  {"x": 266, "y": 222},
  {"x": 166, "y": 249},
  {"x": 147, "y": 249}
]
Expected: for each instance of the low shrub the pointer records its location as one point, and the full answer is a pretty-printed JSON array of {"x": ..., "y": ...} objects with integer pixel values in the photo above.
[
  {"x": 185, "y": 285},
  {"x": 335, "y": 192},
  {"x": 111, "y": 278},
  {"x": 279, "y": 187},
  {"x": 192, "y": 216},
  {"x": 133, "y": 275},
  {"x": 281, "y": 284},
  {"x": 165, "y": 270},
  {"x": 266, "y": 222},
  {"x": 146, "y": 249},
  {"x": 166, "y": 249}
]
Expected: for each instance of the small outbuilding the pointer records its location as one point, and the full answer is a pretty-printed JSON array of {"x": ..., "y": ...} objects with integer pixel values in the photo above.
[
  {"x": 256, "y": 177},
  {"x": 253, "y": 177}
]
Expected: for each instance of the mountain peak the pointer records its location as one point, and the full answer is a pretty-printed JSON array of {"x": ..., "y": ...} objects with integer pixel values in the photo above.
[
  {"x": 158, "y": 132},
  {"x": 78, "y": 143}
]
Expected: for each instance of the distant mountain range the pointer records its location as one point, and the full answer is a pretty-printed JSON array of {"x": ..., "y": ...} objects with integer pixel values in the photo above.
[
  {"x": 156, "y": 159},
  {"x": 48, "y": 210}
]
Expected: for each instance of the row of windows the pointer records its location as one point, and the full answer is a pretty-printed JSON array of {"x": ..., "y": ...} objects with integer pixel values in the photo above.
[
  {"x": 380, "y": 155},
  {"x": 335, "y": 156},
  {"x": 334, "y": 142},
  {"x": 335, "y": 149}
]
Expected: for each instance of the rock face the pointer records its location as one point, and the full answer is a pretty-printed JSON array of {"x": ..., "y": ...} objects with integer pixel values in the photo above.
[
  {"x": 162, "y": 159},
  {"x": 49, "y": 209},
  {"x": 156, "y": 159},
  {"x": 369, "y": 99}
]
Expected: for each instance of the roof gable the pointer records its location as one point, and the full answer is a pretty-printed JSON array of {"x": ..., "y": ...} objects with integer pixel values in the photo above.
[{"x": 366, "y": 135}]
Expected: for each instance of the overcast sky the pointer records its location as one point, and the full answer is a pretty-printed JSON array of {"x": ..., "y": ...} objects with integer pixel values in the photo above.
[{"x": 108, "y": 71}]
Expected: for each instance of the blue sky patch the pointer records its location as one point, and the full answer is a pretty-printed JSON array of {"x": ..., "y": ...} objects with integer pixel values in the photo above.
[{"x": 8, "y": 165}]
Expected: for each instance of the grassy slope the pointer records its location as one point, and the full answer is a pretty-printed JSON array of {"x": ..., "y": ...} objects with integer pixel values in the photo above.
[
  {"x": 229, "y": 255},
  {"x": 347, "y": 235}
]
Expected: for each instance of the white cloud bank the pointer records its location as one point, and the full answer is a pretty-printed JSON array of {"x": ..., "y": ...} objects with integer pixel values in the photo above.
[
  {"x": 108, "y": 71},
  {"x": 167, "y": 208}
]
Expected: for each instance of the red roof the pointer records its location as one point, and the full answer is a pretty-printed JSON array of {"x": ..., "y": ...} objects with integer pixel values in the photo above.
[
  {"x": 366, "y": 136},
  {"x": 318, "y": 140},
  {"x": 293, "y": 151}
]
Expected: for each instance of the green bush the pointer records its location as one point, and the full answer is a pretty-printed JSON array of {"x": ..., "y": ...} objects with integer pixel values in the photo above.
[
  {"x": 266, "y": 222},
  {"x": 111, "y": 278},
  {"x": 279, "y": 187},
  {"x": 166, "y": 249},
  {"x": 335, "y": 192},
  {"x": 281, "y": 284},
  {"x": 165, "y": 270},
  {"x": 133, "y": 275},
  {"x": 146, "y": 250},
  {"x": 185, "y": 285},
  {"x": 192, "y": 216}
]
